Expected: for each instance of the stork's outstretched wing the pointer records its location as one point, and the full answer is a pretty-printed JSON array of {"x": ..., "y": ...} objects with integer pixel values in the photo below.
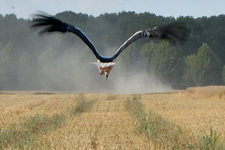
[
  {"x": 52, "y": 24},
  {"x": 175, "y": 32}
]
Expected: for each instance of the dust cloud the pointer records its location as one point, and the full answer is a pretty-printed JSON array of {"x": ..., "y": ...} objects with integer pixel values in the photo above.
[
  {"x": 71, "y": 71},
  {"x": 54, "y": 64},
  {"x": 139, "y": 83}
]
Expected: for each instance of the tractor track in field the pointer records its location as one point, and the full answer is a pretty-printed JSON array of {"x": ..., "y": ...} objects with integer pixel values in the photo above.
[{"x": 106, "y": 126}]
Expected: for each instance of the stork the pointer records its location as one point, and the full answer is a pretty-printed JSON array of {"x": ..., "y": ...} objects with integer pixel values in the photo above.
[{"x": 174, "y": 32}]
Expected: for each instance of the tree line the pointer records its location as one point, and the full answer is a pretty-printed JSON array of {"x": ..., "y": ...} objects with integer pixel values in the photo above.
[{"x": 197, "y": 62}]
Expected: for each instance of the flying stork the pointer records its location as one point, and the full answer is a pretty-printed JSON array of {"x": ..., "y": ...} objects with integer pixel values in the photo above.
[{"x": 175, "y": 32}]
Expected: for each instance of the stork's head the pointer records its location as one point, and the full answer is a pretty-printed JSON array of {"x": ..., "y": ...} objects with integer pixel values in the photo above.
[{"x": 104, "y": 67}]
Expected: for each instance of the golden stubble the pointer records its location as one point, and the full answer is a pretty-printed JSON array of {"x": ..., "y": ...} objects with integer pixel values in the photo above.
[
  {"x": 16, "y": 107},
  {"x": 195, "y": 109},
  {"x": 108, "y": 125}
]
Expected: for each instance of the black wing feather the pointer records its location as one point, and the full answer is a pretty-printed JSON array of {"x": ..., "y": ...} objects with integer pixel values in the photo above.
[
  {"x": 52, "y": 24},
  {"x": 175, "y": 32}
]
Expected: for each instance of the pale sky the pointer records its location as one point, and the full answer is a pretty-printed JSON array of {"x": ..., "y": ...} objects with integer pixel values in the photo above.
[{"x": 174, "y": 8}]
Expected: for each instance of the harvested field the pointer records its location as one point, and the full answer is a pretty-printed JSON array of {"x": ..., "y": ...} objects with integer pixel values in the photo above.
[{"x": 105, "y": 121}]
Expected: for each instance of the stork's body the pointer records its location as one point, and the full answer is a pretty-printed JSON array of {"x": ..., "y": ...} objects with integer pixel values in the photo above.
[
  {"x": 175, "y": 32},
  {"x": 104, "y": 67}
]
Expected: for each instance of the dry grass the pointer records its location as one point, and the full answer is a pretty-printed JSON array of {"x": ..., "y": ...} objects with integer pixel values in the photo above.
[
  {"x": 16, "y": 107},
  {"x": 196, "y": 110},
  {"x": 105, "y": 122},
  {"x": 106, "y": 126},
  {"x": 164, "y": 134},
  {"x": 18, "y": 136}
]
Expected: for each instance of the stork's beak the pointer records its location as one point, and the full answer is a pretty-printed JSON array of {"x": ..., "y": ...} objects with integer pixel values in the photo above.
[{"x": 106, "y": 76}]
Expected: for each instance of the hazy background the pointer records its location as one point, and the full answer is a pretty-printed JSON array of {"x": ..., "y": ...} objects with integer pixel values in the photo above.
[
  {"x": 72, "y": 71},
  {"x": 62, "y": 62}
]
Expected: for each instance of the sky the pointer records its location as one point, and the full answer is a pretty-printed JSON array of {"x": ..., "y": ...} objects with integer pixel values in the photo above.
[{"x": 167, "y": 8}]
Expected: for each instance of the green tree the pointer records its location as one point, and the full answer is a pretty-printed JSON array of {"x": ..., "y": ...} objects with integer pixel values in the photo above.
[
  {"x": 204, "y": 68},
  {"x": 166, "y": 60}
]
